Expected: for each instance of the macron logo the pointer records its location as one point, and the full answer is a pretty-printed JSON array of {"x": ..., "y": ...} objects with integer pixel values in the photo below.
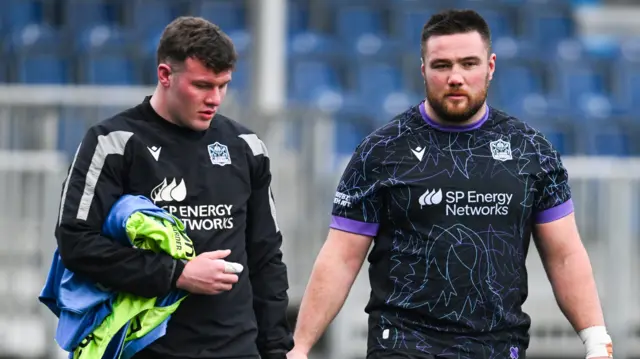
[
  {"x": 418, "y": 152},
  {"x": 430, "y": 198},
  {"x": 155, "y": 151}
]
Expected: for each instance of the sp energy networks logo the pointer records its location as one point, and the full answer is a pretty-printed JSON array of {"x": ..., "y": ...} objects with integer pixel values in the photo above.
[
  {"x": 169, "y": 194},
  {"x": 468, "y": 203}
]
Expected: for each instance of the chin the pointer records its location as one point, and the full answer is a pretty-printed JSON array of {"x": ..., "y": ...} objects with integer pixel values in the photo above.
[{"x": 200, "y": 125}]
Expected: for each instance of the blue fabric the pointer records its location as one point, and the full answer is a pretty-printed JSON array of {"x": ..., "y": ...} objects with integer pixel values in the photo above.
[{"x": 81, "y": 305}]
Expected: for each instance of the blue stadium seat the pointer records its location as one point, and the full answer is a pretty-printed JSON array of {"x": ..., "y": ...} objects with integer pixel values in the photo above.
[
  {"x": 573, "y": 81},
  {"x": 297, "y": 18},
  {"x": 626, "y": 83},
  {"x": 377, "y": 80},
  {"x": 513, "y": 81},
  {"x": 109, "y": 69},
  {"x": 312, "y": 45},
  {"x": 606, "y": 140},
  {"x": 546, "y": 28},
  {"x": 103, "y": 38},
  {"x": 500, "y": 23},
  {"x": 43, "y": 69},
  {"x": 71, "y": 129},
  {"x": 229, "y": 15},
  {"x": 35, "y": 37},
  {"x": 353, "y": 22},
  {"x": 149, "y": 17},
  {"x": 311, "y": 77},
  {"x": 17, "y": 14},
  {"x": 408, "y": 23},
  {"x": 349, "y": 132},
  {"x": 82, "y": 14}
]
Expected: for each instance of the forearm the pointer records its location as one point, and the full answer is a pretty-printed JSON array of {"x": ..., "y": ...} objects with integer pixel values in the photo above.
[
  {"x": 575, "y": 290},
  {"x": 328, "y": 287},
  {"x": 270, "y": 285},
  {"x": 119, "y": 268}
]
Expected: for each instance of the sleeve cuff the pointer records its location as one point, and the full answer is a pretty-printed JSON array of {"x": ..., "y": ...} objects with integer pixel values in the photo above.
[
  {"x": 178, "y": 267},
  {"x": 353, "y": 226},
  {"x": 554, "y": 213}
]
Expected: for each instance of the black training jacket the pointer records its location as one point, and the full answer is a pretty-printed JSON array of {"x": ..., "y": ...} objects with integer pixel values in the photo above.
[{"x": 217, "y": 182}]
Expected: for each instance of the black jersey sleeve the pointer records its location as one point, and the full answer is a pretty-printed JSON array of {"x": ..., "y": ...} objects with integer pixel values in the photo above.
[
  {"x": 358, "y": 199},
  {"x": 94, "y": 183},
  {"x": 268, "y": 273},
  {"x": 553, "y": 193}
]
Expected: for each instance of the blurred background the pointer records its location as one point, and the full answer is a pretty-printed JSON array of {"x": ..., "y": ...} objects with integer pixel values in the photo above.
[{"x": 314, "y": 77}]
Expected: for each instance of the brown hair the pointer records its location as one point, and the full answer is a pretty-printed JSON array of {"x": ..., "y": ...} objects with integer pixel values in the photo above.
[
  {"x": 195, "y": 37},
  {"x": 452, "y": 22}
]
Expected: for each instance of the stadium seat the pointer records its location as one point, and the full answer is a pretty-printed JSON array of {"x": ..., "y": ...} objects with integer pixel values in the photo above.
[
  {"x": 349, "y": 131},
  {"x": 311, "y": 77},
  {"x": 353, "y": 22},
  {"x": 408, "y": 23},
  {"x": 377, "y": 80},
  {"x": 606, "y": 140},
  {"x": 515, "y": 82},
  {"x": 103, "y": 38},
  {"x": 573, "y": 81},
  {"x": 546, "y": 28},
  {"x": 43, "y": 69},
  {"x": 149, "y": 17},
  {"x": 626, "y": 83},
  {"x": 81, "y": 14},
  {"x": 297, "y": 18},
  {"x": 17, "y": 14},
  {"x": 312, "y": 45},
  {"x": 109, "y": 69},
  {"x": 35, "y": 37},
  {"x": 229, "y": 15}
]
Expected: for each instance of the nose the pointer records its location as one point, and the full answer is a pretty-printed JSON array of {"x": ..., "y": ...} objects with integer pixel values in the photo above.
[
  {"x": 214, "y": 97},
  {"x": 455, "y": 80}
]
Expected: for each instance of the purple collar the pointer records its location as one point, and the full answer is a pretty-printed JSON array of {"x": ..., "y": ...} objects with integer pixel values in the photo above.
[{"x": 451, "y": 128}]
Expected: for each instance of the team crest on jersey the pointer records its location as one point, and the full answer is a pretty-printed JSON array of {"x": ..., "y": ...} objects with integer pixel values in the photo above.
[
  {"x": 219, "y": 154},
  {"x": 500, "y": 150}
]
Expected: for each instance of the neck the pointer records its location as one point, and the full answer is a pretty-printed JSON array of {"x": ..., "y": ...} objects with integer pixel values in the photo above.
[
  {"x": 159, "y": 105},
  {"x": 473, "y": 119}
]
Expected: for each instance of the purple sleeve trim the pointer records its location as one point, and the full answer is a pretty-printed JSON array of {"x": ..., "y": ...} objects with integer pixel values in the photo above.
[
  {"x": 555, "y": 213},
  {"x": 357, "y": 227}
]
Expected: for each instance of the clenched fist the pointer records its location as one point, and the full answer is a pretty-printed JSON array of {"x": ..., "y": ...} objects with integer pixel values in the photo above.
[{"x": 209, "y": 273}]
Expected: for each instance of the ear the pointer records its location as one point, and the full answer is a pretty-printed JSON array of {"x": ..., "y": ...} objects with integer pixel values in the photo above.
[
  {"x": 422, "y": 68},
  {"x": 492, "y": 66},
  {"x": 164, "y": 71}
]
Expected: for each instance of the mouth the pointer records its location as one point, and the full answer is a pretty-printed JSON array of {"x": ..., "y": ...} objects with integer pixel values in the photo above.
[
  {"x": 208, "y": 112},
  {"x": 457, "y": 96}
]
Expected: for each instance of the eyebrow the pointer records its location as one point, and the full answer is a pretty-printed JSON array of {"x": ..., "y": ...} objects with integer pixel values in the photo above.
[{"x": 468, "y": 58}]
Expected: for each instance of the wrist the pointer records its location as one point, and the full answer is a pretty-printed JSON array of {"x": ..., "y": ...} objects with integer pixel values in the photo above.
[
  {"x": 597, "y": 342},
  {"x": 177, "y": 273}
]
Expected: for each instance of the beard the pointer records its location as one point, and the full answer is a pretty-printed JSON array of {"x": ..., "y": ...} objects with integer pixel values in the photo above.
[{"x": 457, "y": 113}]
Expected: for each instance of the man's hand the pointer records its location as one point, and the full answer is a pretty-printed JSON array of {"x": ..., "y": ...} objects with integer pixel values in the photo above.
[
  {"x": 295, "y": 354},
  {"x": 206, "y": 274}
]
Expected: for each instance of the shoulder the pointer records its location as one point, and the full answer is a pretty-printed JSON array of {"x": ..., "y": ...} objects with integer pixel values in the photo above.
[
  {"x": 513, "y": 126},
  {"x": 395, "y": 131},
  {"x": 112, "y": 134},
  {"x": 240, "y": 134}
]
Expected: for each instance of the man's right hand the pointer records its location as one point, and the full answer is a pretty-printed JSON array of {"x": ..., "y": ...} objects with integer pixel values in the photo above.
[
  {"x": 296, "y": 354},
  {"x": 205, "y": 274}
]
